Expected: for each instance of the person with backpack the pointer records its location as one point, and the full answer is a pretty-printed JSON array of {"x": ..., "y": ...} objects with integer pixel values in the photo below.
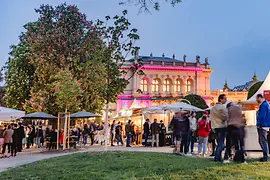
[
  {"x": 263, "y": 124},
  {"x": 236, "y": 125},
  {"x": 203, "y": 133}
]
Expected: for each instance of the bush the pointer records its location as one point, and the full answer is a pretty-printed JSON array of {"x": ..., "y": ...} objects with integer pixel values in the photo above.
[
  {"x": 196, "y": 100},
  {"x": 254, "y": 88}
]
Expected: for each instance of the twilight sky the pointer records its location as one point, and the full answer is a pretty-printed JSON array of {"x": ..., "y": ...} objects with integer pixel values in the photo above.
[{"x": 234, "y": 35}]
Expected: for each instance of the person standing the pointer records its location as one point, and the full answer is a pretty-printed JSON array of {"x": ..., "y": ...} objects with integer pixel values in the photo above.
[
  {"x": 180, "y": 124},
  {"x": 21, "y": 136},
  {"x": 146, "y": 131},
  {"x": 7, "y": 139},
  {"x": 203, "y": 133},
  {"x": 236, "y": 125},
  {"x": 162, "y": 132},
  {"x": 219, "y": 117},
  {"x": 118, "y": 133},
  {"x": 15, "y": 140},
  {"x": 263, "y": 124},
  {"x": 39, "y": 136},
  {"x": 155, "y": 133},
  {"x": 128, "y": 130},
  {"x": 85, "y": 134},
  {"x": 112, "y": 132},
  {"x": 92, "y": 132},
  {"x": 192, "y": 132}
]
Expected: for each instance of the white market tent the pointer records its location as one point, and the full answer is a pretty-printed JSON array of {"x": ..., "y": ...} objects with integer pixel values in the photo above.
[
  {"x": 265, "y": 86},
  {"x": 7, "y": 114},
  {"x": 174, "y": 107}
]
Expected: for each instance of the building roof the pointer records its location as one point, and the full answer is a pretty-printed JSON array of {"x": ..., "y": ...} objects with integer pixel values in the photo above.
[
  {"x": 242, "y": 87},
  {"x": 156, "y": 58}
]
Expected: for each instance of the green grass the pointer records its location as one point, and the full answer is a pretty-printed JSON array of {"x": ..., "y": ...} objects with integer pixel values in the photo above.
[{"x": 135, "y": 165}]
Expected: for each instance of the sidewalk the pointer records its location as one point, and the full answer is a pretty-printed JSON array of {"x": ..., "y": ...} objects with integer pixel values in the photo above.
[{"x": 30, "y": 156}]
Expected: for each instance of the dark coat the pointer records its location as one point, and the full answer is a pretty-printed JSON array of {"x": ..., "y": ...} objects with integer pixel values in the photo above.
[
  {"x": 154, "y": 128},
  {"x": 21, "y": 132},
  {"x": 146, "y": 128},
  {"x": 180, "y": 125}
]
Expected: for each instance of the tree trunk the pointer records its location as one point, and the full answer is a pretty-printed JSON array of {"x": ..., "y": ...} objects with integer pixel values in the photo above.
[{"x": 106, "y": 127}]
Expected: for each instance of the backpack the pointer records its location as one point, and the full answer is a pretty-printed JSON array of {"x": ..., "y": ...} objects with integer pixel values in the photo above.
[{"x": 239, "y": 156}]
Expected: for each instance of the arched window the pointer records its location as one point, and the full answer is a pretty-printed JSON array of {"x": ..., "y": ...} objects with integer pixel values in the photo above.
[
  {"x": 167, "y": 85},
  {"x": 155, "y": 85},
  {"x": 144, "y": 85},
  {"x": 189, "y": 85},
  {"x": 178, "y": 84}
]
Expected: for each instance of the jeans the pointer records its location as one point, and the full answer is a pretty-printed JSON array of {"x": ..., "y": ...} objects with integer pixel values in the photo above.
[
  {"x": 202, "y": 146},
  {"x": 85, "y": 139},
  {"x": 119, "y": 138},
  {"x": 184, "y": 142},
  {"x": 221, "y": 134},
  {"x": 238, "y": 141},
  {"x": 191, "y": 140},
  {"x": 262, "y": 134},
  {"x": 128, "y": 139},
  {"x": 153, "y": 139},
  {"x": 145, "y": 138},
  {"x": 38, "y": 141},
  {"x": 14, "y": 148},
  {"x": 228, "y": 151}
]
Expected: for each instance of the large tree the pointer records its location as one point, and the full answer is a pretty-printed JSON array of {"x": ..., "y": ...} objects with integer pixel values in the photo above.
[
  {"x": 148, "y": 5},
  {"x": 89, "y": 52}
]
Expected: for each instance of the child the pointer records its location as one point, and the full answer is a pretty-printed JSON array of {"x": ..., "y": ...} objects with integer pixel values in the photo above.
[{"x": 203, "y": 133}]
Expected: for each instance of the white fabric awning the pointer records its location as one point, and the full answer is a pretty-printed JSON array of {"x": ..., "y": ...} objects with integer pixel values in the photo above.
[
  {"x": 265, "y": 86},
  {"x": 7, "y": 114}
]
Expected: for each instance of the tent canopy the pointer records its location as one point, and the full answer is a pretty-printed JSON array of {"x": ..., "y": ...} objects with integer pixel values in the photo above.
[
  {"x": 83, "y": 114},
  {"x": 173, "y": 107},
  {"x": 265, "y": 86},
  {"x": 7, "y": 114},
  {"x": 39, "y": 115}
]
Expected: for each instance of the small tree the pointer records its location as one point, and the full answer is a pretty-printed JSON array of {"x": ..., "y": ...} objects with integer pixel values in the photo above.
[
  {"x": 254, "y": 88},
  {"x": 196, "y": 100}
]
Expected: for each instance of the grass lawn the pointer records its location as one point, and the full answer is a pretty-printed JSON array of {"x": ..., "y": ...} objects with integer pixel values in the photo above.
[{"x": 135, "y": 165}]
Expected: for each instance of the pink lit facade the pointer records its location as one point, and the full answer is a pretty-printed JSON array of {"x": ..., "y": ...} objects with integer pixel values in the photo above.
[{"x": 166, "y": 80}]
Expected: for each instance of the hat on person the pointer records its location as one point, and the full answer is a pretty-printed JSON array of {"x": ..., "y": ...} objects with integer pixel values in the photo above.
[{"x": 205, "y": 112}]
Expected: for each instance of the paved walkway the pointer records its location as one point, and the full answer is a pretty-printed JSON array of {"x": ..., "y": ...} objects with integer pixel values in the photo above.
[{"x": 34, "y": 155}]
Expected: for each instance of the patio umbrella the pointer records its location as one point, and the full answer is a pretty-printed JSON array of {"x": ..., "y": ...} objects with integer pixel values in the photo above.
[
  {"x": 180, "y": 106},
  {"x": 7, "y": 114},
  {"x": 39, "y": 115},
  {"x": 83, "y": 114}
]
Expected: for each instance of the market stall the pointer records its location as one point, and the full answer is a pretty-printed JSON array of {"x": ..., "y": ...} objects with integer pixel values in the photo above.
[{"x": 7, "y": 115}]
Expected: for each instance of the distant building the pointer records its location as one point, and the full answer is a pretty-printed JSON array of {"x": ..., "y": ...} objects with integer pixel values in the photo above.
[
  {"x": 237, "y": 93},
  {"x": 165, "y": 80}
]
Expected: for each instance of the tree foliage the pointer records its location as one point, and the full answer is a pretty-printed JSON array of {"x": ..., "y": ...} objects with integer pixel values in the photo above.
[
  {"x": 63, "y": 57},
  {"x": 196, "y": 100},
  {"x": 147, "y": 5},
  {"x": 254, "y": 88}
]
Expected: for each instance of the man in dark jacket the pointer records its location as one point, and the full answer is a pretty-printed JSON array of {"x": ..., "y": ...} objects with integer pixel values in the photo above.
[
  {"x": 263, "y": 124},
  {"x": 162, "y": 132},
  {"x": 181, "y": 127},
  {"x": 146, "y": 131},
  {"x": 15, "y": 140},
  {"x": 21, "y": 135},
  {"x": 128, "y": 130},
  {"x": 155, "y": 133}
]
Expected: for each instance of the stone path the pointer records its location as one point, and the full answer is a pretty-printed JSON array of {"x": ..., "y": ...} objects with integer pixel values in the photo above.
[{"x": 28, "y": 157}]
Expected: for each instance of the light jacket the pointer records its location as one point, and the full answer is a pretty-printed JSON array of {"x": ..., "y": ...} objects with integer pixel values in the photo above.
[
  {"x": 263, "y": 115},
  {"x": 219, "y": 116},
  {"x": 8, "y": 135},
  {"x": 235, "y": 117}
]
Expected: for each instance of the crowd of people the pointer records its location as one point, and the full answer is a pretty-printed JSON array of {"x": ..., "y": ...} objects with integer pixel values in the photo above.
[{"x": 222, "y": 130}]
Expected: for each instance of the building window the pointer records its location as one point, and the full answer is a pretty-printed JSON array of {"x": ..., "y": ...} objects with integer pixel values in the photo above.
[
  {"x": 167, "y": 85},
  {"x": 144, "y": 85},
  {"x": 189, "y": 85},
  {"x": 178, "y": 84},
  {"x": 155, "y": 85}
]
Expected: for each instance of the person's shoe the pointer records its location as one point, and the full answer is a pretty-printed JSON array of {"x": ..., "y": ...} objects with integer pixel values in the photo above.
[
  {"x": 226, "y": 161},
  {"x": 212, "y": 155},
  {"x": 188, "y": 154},
  {"x": 263, "y": 160},
  {"x": 204, "y": 155},
  {"x": 245, "y": 162}
]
